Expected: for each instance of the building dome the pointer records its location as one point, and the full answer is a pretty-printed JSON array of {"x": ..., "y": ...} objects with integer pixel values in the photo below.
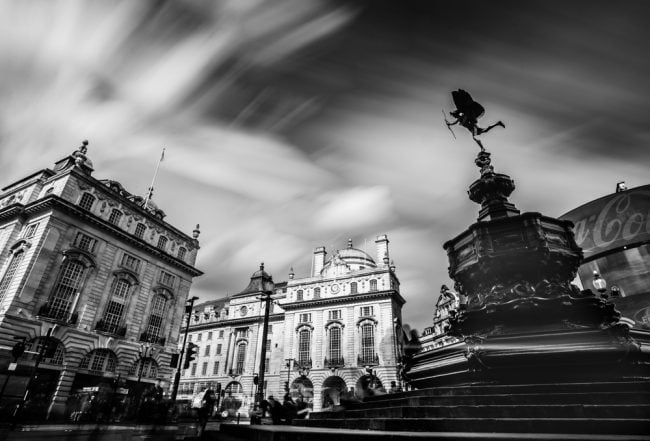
[{"x": 347, "y": 260}]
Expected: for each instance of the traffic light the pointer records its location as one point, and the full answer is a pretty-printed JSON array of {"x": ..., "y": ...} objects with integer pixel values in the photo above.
[
  {"x": 190, "y": 355},
  {"x": 256, "y": 380},
  {"x": 18, "y": 349}
]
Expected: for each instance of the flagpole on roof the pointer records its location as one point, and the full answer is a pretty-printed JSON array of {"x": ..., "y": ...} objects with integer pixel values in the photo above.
[{"x": 153, "y": 181}]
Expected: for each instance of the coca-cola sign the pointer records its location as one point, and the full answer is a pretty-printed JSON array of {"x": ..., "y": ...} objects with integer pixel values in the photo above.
[{"x": 612, "y": 222}]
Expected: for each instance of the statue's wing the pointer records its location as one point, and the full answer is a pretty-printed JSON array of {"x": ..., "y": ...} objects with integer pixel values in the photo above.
[
  {"x": 462, "y": 99},
  {"x": 476, "y": 111}
]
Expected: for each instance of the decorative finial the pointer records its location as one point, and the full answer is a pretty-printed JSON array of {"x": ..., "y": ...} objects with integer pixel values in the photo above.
[
  {"x": 392, "y": 265},
  {"x": 84, "y": 146},
  {"x": 349, "y": 243},
  {"x": 196, "y": 232},
  {"x": 262, "y": 266},
  {"x": 291, "y": 274}
]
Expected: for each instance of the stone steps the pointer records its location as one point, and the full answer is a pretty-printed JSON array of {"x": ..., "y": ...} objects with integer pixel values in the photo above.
[
  {"x": 627, "y": 426},
  {"x": 494, "y": 411},
  {"x": 507, "y": 399}
]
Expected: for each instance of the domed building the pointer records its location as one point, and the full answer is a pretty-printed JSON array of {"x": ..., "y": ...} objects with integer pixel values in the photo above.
[{"x": 327, "y": 332}]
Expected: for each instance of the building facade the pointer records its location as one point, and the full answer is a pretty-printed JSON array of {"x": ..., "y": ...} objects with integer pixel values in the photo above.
[
  {"x": 436, "y": 336},
  {"x": 326, "y": 331},
  {"x": 97, "y": 273}
]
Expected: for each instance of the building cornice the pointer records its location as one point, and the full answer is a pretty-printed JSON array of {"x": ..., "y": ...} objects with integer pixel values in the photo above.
[
  {"x": 54, "y": 201},
  {"x": 235, "y": 322},
  {"x": 354, "y": 298}
]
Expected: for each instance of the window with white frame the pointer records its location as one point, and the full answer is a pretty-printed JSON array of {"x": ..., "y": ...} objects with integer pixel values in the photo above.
[
  {"x": 335, "y": 314},
  {"x": 373, "y": 285},
  {"x": 304, "y": 346},
  {"x": 335, "y": 343},
  {"x": 215, "y": 368},
  {"x": 207, "y": 351},
  {"x": 167, "y": 279},
  {"x": 130, "y": 262},
  {"x": 116, "y": 305},
  {"x": 30, "y": 231},
  {"x": 154, "y": 327},
  {"x": 68, "y": 284},
  {"x": 85, "y": 242},
  {"x": 204, "y": 368},
  {"x": 240, "y": 359},
  {"x": 367, "y": 342},
  {"x": 305, "y": 317},
  {"x": 353, "y": 288},
  {"x": 10, "y": 272},
  {"x": 366, "y": 311},
  {"x": 299, "y": 295},
  {"x": 219, "y": 349}
]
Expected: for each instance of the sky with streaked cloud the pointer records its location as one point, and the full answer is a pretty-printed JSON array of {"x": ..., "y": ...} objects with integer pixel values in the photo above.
[{"x": 292, "y": 124}]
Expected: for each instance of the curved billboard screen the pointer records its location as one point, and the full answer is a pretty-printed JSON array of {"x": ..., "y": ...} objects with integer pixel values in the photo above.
[{"x": 611, "y": 222}]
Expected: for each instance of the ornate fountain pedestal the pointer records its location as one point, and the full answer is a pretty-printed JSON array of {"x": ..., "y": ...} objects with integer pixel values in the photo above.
[{"x": 521, "y": 319}]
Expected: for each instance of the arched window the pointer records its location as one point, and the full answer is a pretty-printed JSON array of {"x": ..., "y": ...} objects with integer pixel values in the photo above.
[
  {"x": 115, "y": 216},
  {"x": 373, "y": 285},
  {"x": 353, "y": 288},
  {"x": 114, "y": 313},
  {"x": 335, "y": 345},
  {"x": 86, "y": 202},
  {"x": 304, "y": 346},
  {"x": 99, "y": 360},
  {"x": 140, "y": 230},
  {"x": 68, "y": 284},
  {"x": 181, "y": 253},
  {"x": 367, "y": 343},
  {"x": 241, "y": 358},
  {"x": 52, "y": 355},
  {"x": 148, "y": 365},
  {"x": 8, "y": 276},
  {"x": 156, "y": 317},
  {"x": 162, "y": 242},
  {"x": 299, "y": 296}
]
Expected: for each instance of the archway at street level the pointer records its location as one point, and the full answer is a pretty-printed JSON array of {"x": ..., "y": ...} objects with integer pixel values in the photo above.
[{"x": 302, "y": 389}]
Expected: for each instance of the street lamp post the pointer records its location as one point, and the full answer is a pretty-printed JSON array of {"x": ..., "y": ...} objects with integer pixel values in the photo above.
[
  {"x": 177, "y": 377},
  {"x": 288, "y": 360},
  {"x": 601, "y": 286},
  {"x": 266, "y": 297}
]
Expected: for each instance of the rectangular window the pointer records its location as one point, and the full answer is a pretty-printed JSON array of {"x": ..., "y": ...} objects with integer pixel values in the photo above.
[
  {"x": 85, "y": 242},
  {"x": 268, "y": 344},
  {"x": 305, "y": 318},
  {"x": 304, "y": 344},
  {"x": 30, "y": 231},
  {"x": 87, "y": 201},
  {"x": 193, "y": 373},
  {"x": 140, "y": 230},
  {"x": 366, "y": 311},
  {"x": 207, "y": 351},
  {"x": 335, "y": 344},
  {"x": 130, "y": 262},
  {"x": 215, "y": 368},
  {"x": 218, "y": 349},
  {"x": 115, "y": 217},
  {"x": 156, "y": 317},
  {"x": 267, "y": 365},
  {"x": 198, "y": 337},
  {"x": 113, "y": 316},
  {"x": 209, "y": 335},
  {"x": 204, "y": 368},
  {"x": 8, "y": 276},
  {"x": 189, "y": 337},
  {"x": 241, "y": 357},
  {"x": 367, "y": 343},
  {"x": 166, "y": 278},
  {"x": 270, "y": 329},
  {"x": 220, "y": 334},
  {"x": 335, "y": 315}
]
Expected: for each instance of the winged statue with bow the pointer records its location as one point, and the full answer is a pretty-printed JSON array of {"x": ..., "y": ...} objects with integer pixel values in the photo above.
[{"x": 467, "y": 114}]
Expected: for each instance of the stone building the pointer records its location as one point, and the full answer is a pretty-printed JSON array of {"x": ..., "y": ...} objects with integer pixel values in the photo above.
[
  {"x": 101, "y": 271},
  {"x": 326, "y": 332},
  {"x": 436, "y": 336}
]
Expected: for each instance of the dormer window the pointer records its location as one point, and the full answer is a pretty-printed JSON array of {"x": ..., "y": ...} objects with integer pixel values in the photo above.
[
  {"x": 353, "y": 288},
  {"x": 162, "y": 242},
  {"x": 140, "y": 230},
  {"x": 181, "y": 253},
  {"x": 299, "y": 295},
  {"x": 86, "y": 202},
  {"x": 115, "y": 217},
  {"x": 373, "y": 285}
]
